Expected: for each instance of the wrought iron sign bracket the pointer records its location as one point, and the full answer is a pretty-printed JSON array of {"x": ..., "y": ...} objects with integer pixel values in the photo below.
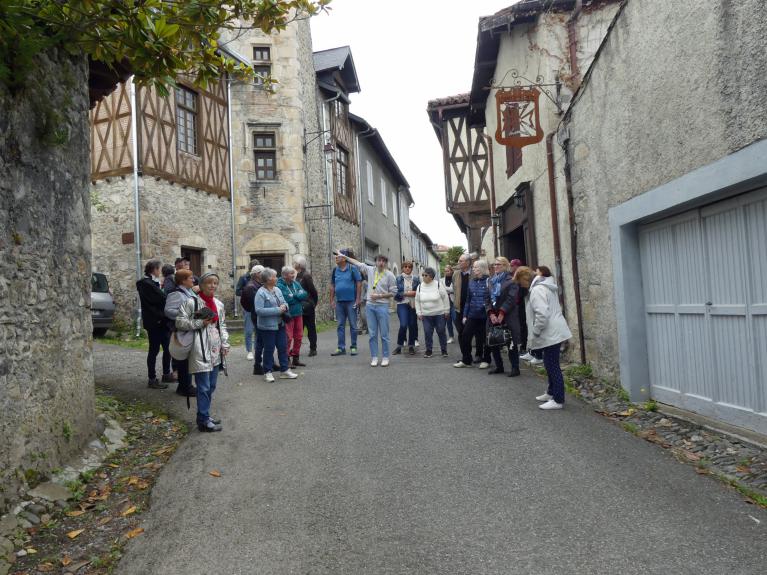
[{"x": 539, "y": 83}]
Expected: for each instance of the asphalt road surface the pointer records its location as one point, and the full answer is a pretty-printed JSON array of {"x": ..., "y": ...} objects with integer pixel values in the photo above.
[{"x": 420, "y": 468}]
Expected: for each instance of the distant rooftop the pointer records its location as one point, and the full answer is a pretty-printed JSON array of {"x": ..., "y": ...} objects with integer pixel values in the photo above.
[{"x": 337, "y": 59}]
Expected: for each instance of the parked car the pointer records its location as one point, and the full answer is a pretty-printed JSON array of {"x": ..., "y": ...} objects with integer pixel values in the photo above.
[{"x": 102, "y": 304}]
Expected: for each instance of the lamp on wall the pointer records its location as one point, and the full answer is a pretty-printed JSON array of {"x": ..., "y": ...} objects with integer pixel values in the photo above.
[{"x": 519, "y": 199}]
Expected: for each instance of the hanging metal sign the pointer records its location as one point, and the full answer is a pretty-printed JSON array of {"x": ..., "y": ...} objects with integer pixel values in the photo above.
[{"x": 518, "y": 122}]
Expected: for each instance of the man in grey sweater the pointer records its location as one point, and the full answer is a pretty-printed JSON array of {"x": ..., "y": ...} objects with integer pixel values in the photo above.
[{"x": 381, "y": 287}]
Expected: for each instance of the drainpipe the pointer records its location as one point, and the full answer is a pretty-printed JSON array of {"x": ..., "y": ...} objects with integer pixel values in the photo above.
[
  {"x": 574, "y": 251},
  {"x": 493, "y": 224},
  {"x": 137, "y": 222},
  {"x": 231, "y": 186},
  {"x": 554, "y": 216},
  {"x": 359, "y": 194}
]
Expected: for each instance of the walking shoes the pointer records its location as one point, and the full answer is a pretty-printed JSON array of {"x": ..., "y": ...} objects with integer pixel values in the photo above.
[
  {"x": 551, "y": 404},
  {"x": 385, "y": 362},
  {"x": 460, "y": 364},
  {"x": 288, "y": 375},
  {"x": 250, "y": 356},
  {"x": 544, "y": 397},
  {"x": 352, "y": 350},
  {"x": 338, "y": 351},
  {"x": 209, "y": 426},
  {"x": 374, "y": 362},
  {"x": 268, "y": 377},
  {"x": 527, "y": 357}
]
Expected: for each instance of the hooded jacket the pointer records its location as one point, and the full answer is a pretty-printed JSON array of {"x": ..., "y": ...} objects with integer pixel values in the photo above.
[
  {"x": 152, "y": 303},
  {"x": 546, "y": 324}
]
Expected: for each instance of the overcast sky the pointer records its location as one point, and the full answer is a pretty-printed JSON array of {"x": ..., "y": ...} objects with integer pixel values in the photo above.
[{"x": 406, "y": 53}]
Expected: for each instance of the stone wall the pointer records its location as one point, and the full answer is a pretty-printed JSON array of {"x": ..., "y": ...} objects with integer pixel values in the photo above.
[
  {"x": 172, "y": 216},
  {"x": 46, "y": 371},
  {"x": 675, "y": 88}
]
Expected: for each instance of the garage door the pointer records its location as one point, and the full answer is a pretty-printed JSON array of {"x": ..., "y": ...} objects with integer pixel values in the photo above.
[{"x": 704, "y": 276}]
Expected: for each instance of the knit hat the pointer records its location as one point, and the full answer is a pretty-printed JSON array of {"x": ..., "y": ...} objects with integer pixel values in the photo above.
[
  {"x": 515, "y": 263},
  {"x": 207, "y": 275}
]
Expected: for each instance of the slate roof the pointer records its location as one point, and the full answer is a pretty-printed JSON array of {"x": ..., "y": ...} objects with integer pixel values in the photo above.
[{"x": 337, "y": 59}]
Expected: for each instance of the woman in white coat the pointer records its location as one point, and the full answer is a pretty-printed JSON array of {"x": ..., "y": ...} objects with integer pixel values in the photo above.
[
  {"x": 548, "y": 329},
  {"x": 211, "y": 344}
]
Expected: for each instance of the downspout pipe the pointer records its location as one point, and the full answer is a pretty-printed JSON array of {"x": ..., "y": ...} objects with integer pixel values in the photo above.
[
  {"x": 231, "y": 186},
  {"x": 136, "y": 207},
  {"x": 574, "y": 251},
  {"x": 493, "y": 225},
  {"x": 554, "y": 215},
  {"x": 359, "y": 194},
  {"x": 572, "y": 41}
]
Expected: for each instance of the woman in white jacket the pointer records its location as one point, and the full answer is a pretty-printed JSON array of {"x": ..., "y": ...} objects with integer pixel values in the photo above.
[
  {"x": 432, "y": 306},
  {"x": 211, "y": 344},
  {"x": 548, "y": 329}
]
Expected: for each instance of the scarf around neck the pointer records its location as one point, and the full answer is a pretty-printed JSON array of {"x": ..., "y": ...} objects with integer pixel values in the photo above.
[{"x": 210, "y": 302}]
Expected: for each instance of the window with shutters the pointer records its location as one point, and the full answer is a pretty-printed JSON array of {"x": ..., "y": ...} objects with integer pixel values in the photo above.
[
  {"x": 371, "y": 189},
  {"x": 394, "y": 212},
  {"x": 383, "y": 197},
  {"x": 186, "y": 120},
  {"x": 262, "y": 63},
  {"x": 265, "y": 152},
  {"x": 511, "y": 126}
]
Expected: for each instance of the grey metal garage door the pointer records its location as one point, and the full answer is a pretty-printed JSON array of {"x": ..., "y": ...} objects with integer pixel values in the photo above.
[{"x": 705, "y": 287}]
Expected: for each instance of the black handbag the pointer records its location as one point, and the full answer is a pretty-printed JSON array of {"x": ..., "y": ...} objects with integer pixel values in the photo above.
[{"x": 498, "y": 335}]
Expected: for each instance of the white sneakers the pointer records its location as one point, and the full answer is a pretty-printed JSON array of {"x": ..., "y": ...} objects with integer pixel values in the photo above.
[
  {"x": 460, "y": 364},
  {"x": 250, "y": 356},
  {"x": 385, "y": 362},
  {"x": 269, "y": 377},
  {"x": 416, "y": 343},
  {"x": 551, "y": 404},
  {"x": 450, "y": 340},
  {"x": 374, "y": 362},
  {"x": 484, "y": 365},
  {"x": 535, "y": 361},
  {"x": 544, "y": 397},
  {"x": 527, "y": 356}
]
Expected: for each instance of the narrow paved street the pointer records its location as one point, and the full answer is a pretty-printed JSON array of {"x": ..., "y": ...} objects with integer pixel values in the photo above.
[{"x": 421, "y": 468}]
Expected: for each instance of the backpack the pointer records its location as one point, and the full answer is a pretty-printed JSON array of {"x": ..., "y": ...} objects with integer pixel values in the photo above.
[{"x": 247, "y": 298}]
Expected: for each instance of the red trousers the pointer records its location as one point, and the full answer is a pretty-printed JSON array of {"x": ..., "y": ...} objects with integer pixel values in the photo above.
[{"x": 295, "y": 332}]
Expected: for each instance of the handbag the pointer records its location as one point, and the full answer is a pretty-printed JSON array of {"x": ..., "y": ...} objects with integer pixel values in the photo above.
[
  {"x": 498, "y": 335},
  {"x": 181, "y": 342}
]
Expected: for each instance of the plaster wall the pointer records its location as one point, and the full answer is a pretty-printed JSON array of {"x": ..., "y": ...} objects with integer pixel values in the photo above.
[
  {"x": 46, "y": 366},
  {"x": 674, "y": 89}
]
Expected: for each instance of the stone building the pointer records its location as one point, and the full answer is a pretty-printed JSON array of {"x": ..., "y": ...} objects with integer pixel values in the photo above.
[
  {"x": 647, "y": 191},
  {"x": 179, "y": 180}
]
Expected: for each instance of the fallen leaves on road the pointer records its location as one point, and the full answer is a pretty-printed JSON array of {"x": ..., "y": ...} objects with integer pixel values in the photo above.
[
  {"x": 75, "y": 513},
  {"x": 134, "y": 532},
  {"x": 215, "y": 473},
  {"x": 75, "y": 533},
  {"x": 129, "y": 511},
  {"x": 66, "y": 560},
  {"x": 46, "y": 567}
]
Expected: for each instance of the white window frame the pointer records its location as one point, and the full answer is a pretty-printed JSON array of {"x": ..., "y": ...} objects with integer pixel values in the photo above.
[
  {"x": 371, "y": 187},
  {"x": 383, "y": 197}
]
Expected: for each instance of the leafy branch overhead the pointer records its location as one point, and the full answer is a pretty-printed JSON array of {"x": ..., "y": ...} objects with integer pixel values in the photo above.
[{"x": 156, "y": 39}]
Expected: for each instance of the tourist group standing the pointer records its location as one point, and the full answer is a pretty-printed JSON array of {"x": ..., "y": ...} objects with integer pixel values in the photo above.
[{"x": 494, "y": 312}]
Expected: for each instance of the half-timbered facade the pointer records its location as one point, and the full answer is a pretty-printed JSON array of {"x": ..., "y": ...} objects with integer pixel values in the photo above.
[
  {"x": 467, "y": 166},
  {"x": 180, "y": 183}
]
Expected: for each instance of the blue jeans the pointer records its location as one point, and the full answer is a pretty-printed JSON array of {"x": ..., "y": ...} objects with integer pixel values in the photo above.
[
  {"x": 249, "y": 330},
  {"x": 344, "y": 310},
  {"x": 554, "y": 373},
  {"x": 378, "y": 321},
  {"x": 451, "y": 320},
  {"x": 431, "y": 322},
  {"x": 408, "y": 325},
  {"x": 206, "y": 385},
  {"x": 279, "y": 339}
]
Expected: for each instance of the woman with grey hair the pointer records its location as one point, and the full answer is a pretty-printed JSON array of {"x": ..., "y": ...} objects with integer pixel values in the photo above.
[
  {"x": 433, "y": 308},
  {"x": 309, "y": 304},
  {"x": 204, "y": 314},
  {"x": 475, "y": 316},
  {"x": 272, "y": 310},
  {"x": 294, "y": 296}
]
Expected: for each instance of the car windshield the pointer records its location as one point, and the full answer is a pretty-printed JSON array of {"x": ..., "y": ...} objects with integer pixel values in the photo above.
[{"x": 99, "y": 283}]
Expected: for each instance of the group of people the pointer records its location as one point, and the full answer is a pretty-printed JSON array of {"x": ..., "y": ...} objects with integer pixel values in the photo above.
[
  {"x": 513, "y": 307},
  {"x": 183, "y": 313},
  {"x": 508, "y": 310}
]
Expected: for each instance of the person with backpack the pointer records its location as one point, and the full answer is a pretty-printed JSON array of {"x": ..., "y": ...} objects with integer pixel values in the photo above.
[
  {"x": 345, "y": 293},
  {"x": 432, "y": 305},
  {"x": 309, "y": 305},
  {"x": 247, "y": 297}
]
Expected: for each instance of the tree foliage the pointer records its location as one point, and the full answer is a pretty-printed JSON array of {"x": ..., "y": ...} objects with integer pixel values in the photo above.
[
  {"x": 156, "y": 39},
  {"x": 451, "y": 257}
]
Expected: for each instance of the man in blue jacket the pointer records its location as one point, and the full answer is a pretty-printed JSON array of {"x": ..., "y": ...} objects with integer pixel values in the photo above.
[{"x": 345, "y": 293}]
